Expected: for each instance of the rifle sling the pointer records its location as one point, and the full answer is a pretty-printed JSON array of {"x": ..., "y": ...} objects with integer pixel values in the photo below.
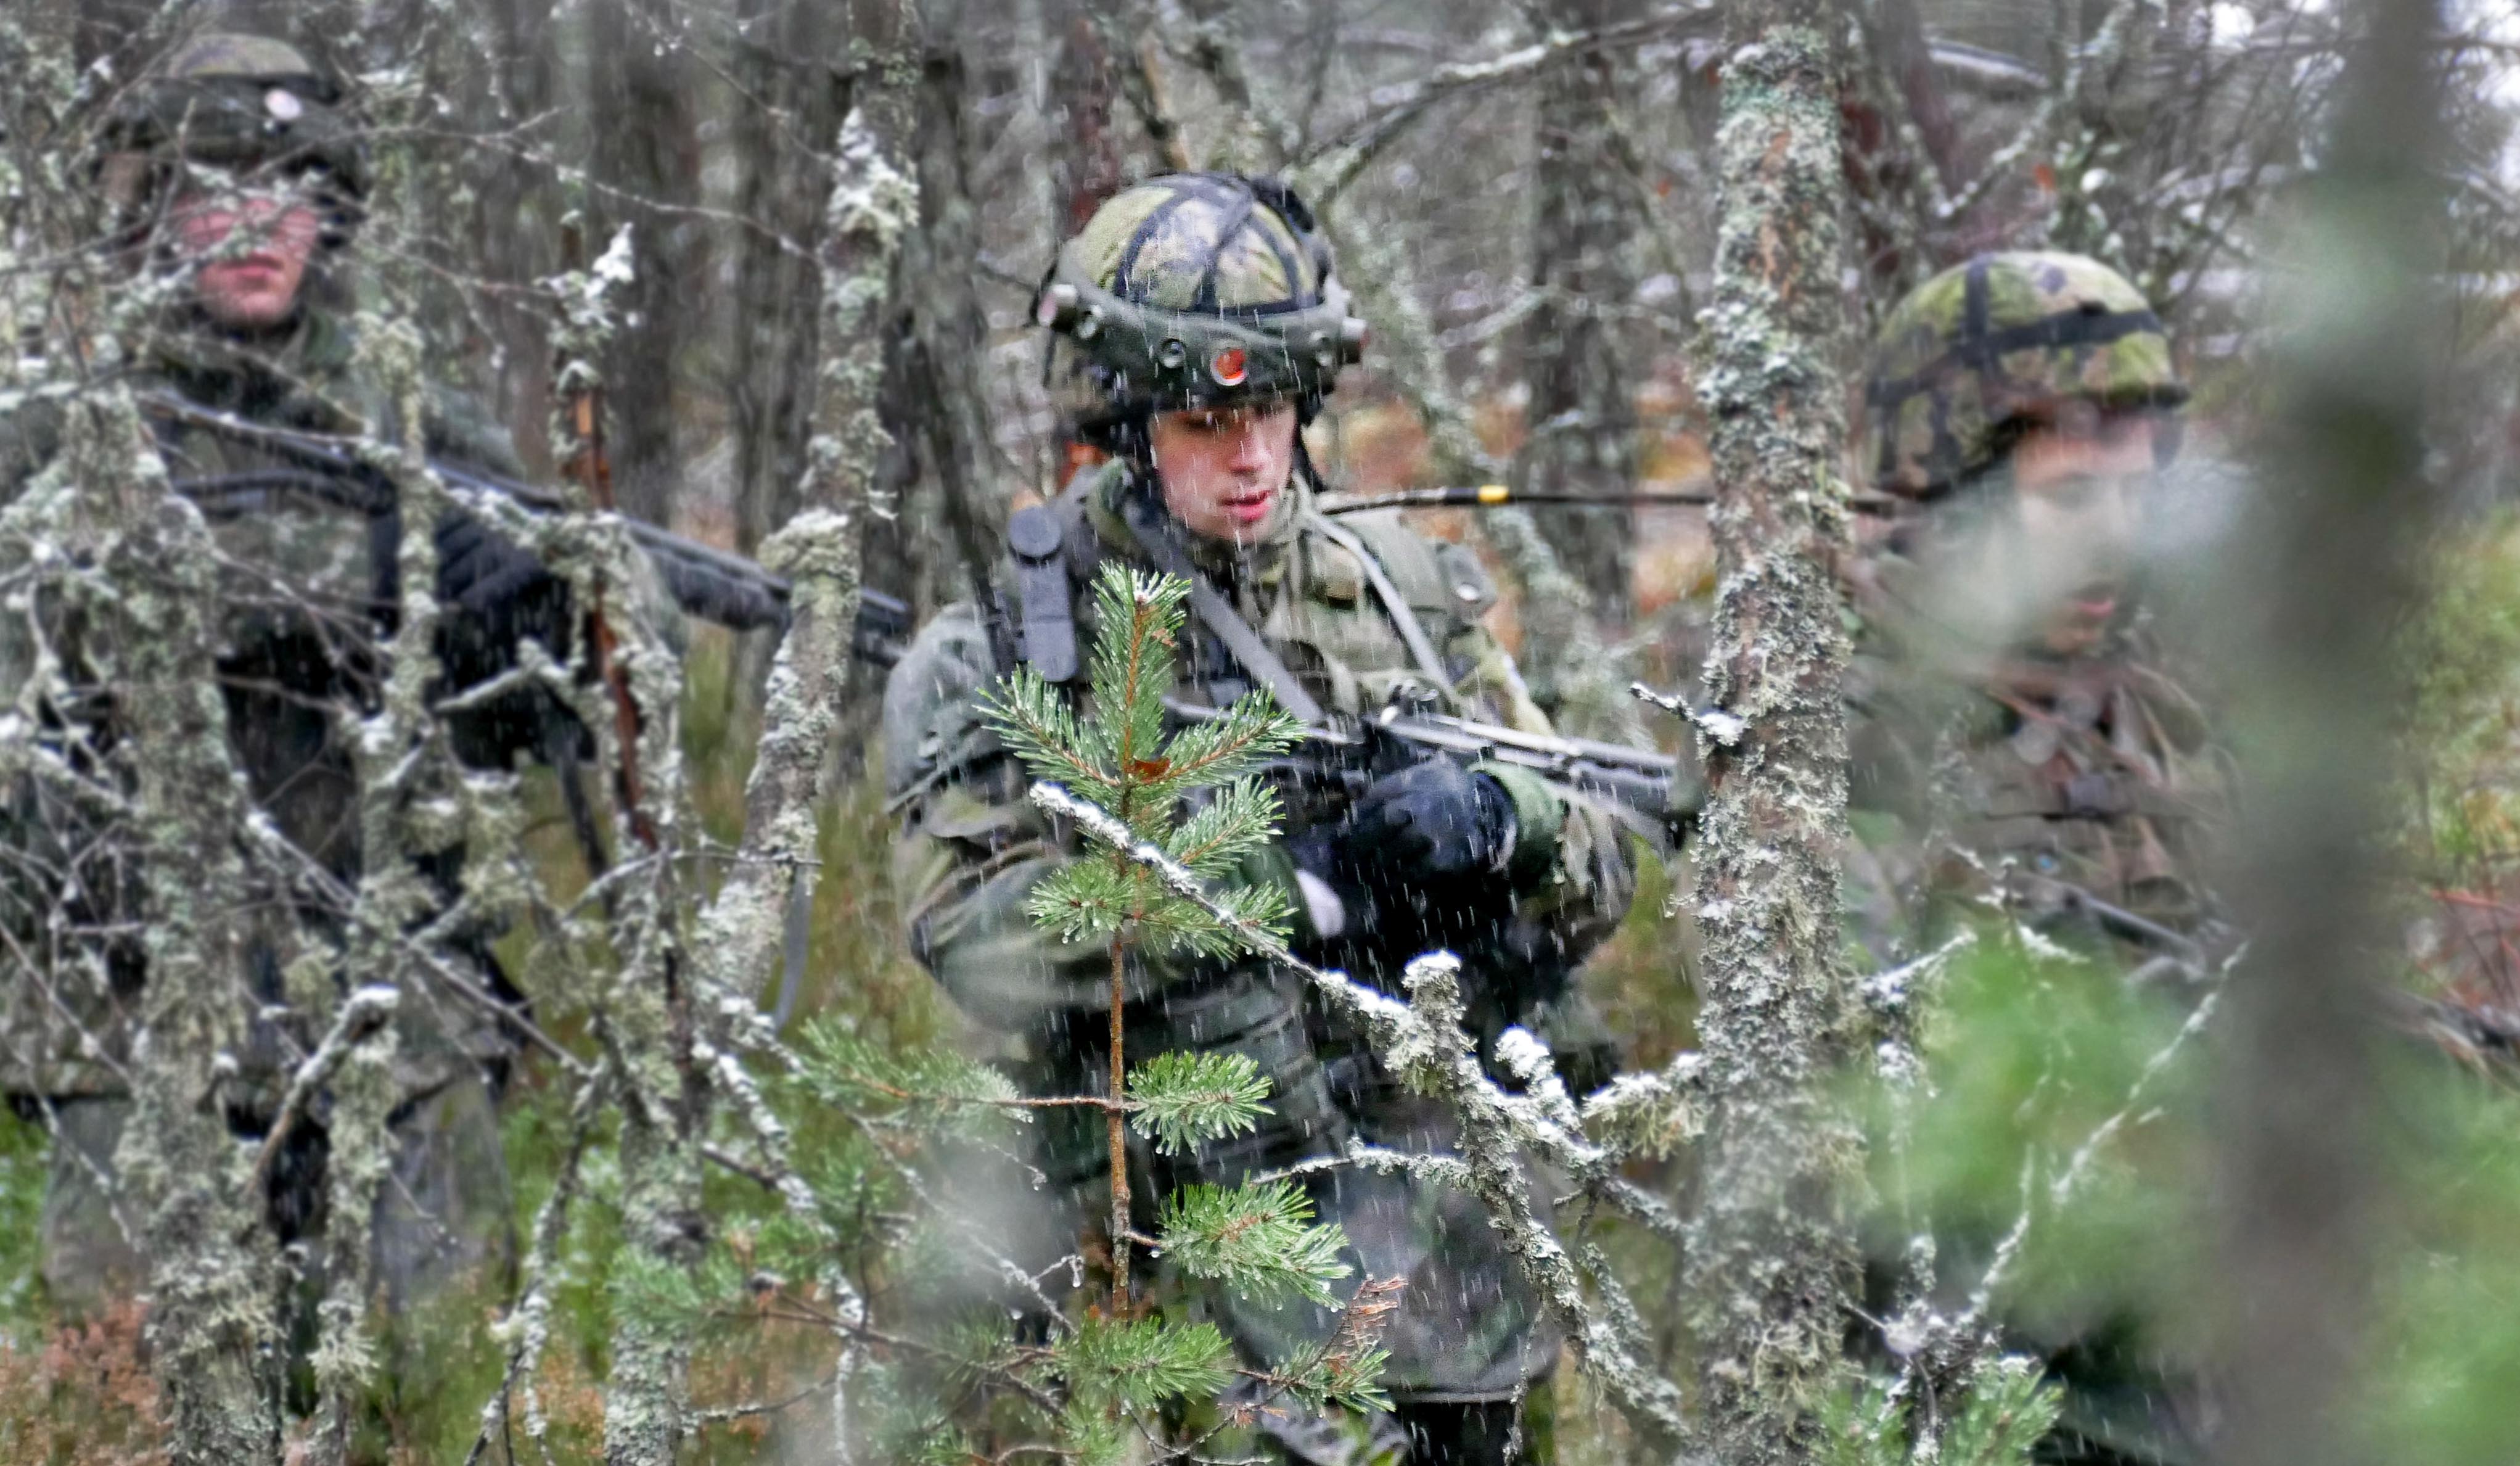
[{"x": 1216, "y": 612}]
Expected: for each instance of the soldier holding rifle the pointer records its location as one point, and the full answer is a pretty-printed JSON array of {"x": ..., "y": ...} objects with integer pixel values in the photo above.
[
  {"x": 1195, "y": 324},
  {"x": 235, "y": 181}
]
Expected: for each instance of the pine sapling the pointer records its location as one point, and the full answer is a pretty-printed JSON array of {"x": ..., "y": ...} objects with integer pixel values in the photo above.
[
  {"x": 1118, "y": 755},
  {"x": 1105, "y": 1380}
]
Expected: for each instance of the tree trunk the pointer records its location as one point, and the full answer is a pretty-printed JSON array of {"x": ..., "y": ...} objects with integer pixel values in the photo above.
[
  {"x": 874, "y": 201},
  {"x": 214, "y": 1346},
  {"x": 1770, "y": 1272},
  {"x": 1582, "y": 418},
  {"x": 771, "y": 392},
  {"x": 515, "y": 234},
  {"x": 643, "y": 115},
  {"x": 782, "y": 192},
  {"x": 2340, "y": 520},
  {"x": 1090, "y": 168},
  {"x": 935, "y": 407}
]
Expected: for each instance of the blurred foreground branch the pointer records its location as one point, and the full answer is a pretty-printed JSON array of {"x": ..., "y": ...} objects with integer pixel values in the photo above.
[{"x": 2341, "y": 511}]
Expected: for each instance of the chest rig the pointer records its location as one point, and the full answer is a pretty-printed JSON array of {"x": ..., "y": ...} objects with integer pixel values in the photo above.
[{"x": 1055, "y": 551}]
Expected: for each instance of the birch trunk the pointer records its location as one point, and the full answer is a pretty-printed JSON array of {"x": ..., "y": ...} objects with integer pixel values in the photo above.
[
  {"x": 1771, "y": 1259},
  {"x": 873, "y": 204}
]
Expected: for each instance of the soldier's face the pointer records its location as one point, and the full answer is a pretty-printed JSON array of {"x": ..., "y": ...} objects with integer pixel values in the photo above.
[
  {"x": 249, "y": 251},
  {"x": 2040, "y": 554},
  {"x": 1224, "y": 471},
  {"x": 2079, "y": 483}
]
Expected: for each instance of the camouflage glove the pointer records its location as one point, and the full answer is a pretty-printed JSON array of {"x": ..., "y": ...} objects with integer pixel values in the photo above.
[{"x": 1431, "y": 819}]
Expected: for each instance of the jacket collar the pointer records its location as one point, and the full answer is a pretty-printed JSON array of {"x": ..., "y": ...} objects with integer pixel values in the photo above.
[
  {"x": 292, "y": 374},
  {"x": 1260, "y": 562}
]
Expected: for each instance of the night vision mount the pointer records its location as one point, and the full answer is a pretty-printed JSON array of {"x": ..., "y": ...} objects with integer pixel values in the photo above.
[{"x": 1149, "y": 357}]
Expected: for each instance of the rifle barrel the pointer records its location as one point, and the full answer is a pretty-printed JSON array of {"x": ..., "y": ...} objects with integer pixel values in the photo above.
[{"x": 1498, "y": 495}]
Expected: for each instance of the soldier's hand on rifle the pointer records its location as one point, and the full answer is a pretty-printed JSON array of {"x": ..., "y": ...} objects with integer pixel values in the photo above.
[
  {"x": 1432, "y": 818},
  {"x": 481, "y": 569}
]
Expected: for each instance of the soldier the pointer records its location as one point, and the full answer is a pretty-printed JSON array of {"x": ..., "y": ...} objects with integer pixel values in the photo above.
[
  {"x": 236, "y": 179},
  {"x": 2018, "y": 736},
  {"x": 2017, "y": 728},
  {"x": 1196, "y": 326}
]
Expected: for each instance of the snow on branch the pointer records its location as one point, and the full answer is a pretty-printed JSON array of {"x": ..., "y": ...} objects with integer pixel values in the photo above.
[{"x": 1423, "y": 1043}]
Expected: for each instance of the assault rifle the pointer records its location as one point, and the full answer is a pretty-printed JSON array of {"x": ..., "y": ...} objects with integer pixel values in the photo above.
[
  {"x": 1650, "y": 793},
  {"x": 708, "y": 582}
]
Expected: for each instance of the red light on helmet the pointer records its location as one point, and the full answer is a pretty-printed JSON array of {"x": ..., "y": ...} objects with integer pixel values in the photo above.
[{"x": 1228, "y": 366}]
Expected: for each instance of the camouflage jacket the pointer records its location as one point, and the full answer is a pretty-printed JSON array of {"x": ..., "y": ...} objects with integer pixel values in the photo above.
[
  {"x": 971, "y": 845},
  {"x": 2084, "y": 795},
  {"x": 305, "y": 591}
]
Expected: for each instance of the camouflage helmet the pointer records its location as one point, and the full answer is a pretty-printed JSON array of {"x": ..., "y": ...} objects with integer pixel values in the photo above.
[
  {"x": 1973, "y": 352},
  {"x": 244, "y": 102},
  {"x": 1194, "y": 289}
]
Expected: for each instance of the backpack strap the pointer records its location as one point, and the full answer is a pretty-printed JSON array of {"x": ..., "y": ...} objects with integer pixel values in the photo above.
[{"x": 1413, "y": 632}]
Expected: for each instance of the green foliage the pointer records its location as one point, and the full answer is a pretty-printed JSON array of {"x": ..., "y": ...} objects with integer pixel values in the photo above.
[
  {"x": 2465, "y": 718},
  {"x": 1183, "y": 1099},
  {"x": 668, "y": 1300},
  {"x": 26, "y": 1154},
  {"x": 1091, "y": 1436},
  {"x": 932, "y": 1090},
  {"x": 2034, "y": 1058},
  {"x": 1120, "y": 758},
  {"x": 1139, "y": 1363},
  {"x": 1350, "y": 1381},
  {"x": 1258, "y": 1240},
  {"x": 2446, "y": 1359},
  {"x": 2009, "y": 1406},
  {"x": 1345, "y": 1368},
  {"x": 2003, "y": 1411},
  {"x": 904, "y": 1426}
]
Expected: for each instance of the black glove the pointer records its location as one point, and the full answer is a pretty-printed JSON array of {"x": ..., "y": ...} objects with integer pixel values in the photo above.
[
  {"x": 1434, "y": 818},
  {"x": 495, "y": 595},
  {"x": 480, "y": 569}
]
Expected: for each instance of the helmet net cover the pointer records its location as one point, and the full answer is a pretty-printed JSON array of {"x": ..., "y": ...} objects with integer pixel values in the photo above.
[
  {"x": 1194, "y": 289},
  {"x": 1984, "y": 345},
  {"x": 244, "y": 102}
]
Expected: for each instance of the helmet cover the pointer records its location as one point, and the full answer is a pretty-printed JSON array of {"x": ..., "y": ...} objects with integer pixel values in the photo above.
[{"x": 1985, "y": 345}]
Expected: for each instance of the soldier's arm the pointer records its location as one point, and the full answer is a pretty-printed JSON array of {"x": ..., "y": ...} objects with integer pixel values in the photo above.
[
  {"x": 1573, "y": 871},
  {"x": 1566, "y": 836}
]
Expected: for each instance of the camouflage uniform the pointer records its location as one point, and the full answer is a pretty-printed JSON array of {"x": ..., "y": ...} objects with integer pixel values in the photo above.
[
  {"x": 2080, "y": 792},
  {"x": 310, "y": 593},
  {"x": 971, "y": 845}
]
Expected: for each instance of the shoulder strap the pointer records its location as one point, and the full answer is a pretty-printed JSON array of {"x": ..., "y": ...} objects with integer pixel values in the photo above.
[
  {"x": 1034, "y": 540},
  {"x": 1422, "y": 648},
  {"x": 1217, "y": 614}
]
